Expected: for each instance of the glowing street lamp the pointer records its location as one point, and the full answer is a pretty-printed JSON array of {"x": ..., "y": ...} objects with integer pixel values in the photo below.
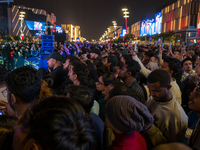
[
  {"x": 108, "y": 32},
  {"x": 21, "y": 17},
  {"x": 126, "y": 15},
  {"x": 115, "y": 26}
]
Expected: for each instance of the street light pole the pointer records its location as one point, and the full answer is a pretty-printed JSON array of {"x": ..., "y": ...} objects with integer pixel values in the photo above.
[
  {"x": 115, "y": 26},
  {"x": 21, "y": 17},
  {"x": 126, "y": 15},
  {"x": 109, "y": 34}
]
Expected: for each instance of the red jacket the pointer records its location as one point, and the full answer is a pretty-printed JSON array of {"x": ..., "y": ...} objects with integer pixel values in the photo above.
[
  {"x": 132, "y": 141},
  {"x": 11, "y": 53}
]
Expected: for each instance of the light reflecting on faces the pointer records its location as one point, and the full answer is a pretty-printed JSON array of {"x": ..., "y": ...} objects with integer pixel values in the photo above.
[
  {"x": 158, "y": 93},
  {"x": 187, "y": 66}
]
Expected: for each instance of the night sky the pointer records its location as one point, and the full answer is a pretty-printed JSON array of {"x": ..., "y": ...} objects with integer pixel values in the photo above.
[{"x": 94, "y": 16}]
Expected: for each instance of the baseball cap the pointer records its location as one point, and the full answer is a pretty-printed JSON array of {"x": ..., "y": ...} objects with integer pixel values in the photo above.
[{"x": 54, "y": 55}]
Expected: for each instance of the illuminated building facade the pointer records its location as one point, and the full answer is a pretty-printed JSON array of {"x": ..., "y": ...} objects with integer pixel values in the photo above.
[
  {"x": 14, "y": 23},
  {"x": 74, "y": 32},
  {"x": 135, "y": 29},
  {"x": 182, "y": 17},
  {"x": 37, "y": 19}
]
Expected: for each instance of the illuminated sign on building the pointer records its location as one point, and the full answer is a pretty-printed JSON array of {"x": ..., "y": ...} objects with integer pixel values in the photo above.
[
  {"x": 36, "y": 26},
  {"x": 39, "y": 33},
  {"x": 59, "y": 29},
  {"x": 146, "y": 27},
  {"x": 123, "y": 33},
  {"x": 198, "y": 30},
  {"x": 158, "y": 21},
  {"x": 150, "y": 27}
]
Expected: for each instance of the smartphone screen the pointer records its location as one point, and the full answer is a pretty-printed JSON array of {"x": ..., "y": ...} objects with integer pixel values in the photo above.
[
  {"x": 135, "y": 47},
  {"x": 170, "y": 44},
  {"x": 163, "y": 44},
  {"x": 0, "y": 112}
]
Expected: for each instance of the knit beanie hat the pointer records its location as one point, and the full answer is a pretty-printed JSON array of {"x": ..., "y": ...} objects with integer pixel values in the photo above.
[
  {"x": 127, "y": 114},
  {"x": 153, "y": 65}
]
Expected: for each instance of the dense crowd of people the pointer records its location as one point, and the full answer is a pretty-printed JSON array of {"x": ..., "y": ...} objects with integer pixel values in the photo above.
[{"x": 101, "y": 96}]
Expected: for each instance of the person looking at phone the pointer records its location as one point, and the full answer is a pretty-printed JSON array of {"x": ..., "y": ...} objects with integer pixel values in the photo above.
[{"x": 23, "y": 86}]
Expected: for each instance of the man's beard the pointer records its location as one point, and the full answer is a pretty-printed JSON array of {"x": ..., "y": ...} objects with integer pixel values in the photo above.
[{"x": 50, "y": 68}]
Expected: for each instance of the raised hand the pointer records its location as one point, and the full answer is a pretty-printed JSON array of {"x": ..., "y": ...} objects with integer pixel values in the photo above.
[{"x": 6, "y": 109}]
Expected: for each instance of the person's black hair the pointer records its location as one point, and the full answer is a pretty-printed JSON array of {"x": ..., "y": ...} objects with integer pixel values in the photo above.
[
  {"x": 101, "y": 70},
  {"x": 149, "y": 53},
  {"x": 127, "y": 58},
  {"x": 133, "y": 67},
  {"x": 80, "y": 69},
  {"x": 174, "y": 65},
  {"x": 97, "y": 61},
  {"x": 49, "y": 80},
  {"x": 7, "y": 129},
  {"x": 42, "y": 72},
  {"x": 63, "y": 122},
  {"x": 25, "y": 83},
  {"x": 140, "y": 55},
  {"x": 3, "y": 72},
  {"x": 119, "y": 88},
  {"x": 177, "y": 51},
  {"x": 120, "y": 64},
  {"x": 107, "y": 78},
  {"x": 81, "y": 94},
  {"x": 114, "y": 61},
  {"x": 72, "y": 59},
  {"x": 160, "y": 76},
  {"x": 186, "y": 59},
  {"x": 194, "y": 58}
]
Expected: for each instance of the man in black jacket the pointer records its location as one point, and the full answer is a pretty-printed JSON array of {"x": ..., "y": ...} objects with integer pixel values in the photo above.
[{"x": 55, "y": 69}]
